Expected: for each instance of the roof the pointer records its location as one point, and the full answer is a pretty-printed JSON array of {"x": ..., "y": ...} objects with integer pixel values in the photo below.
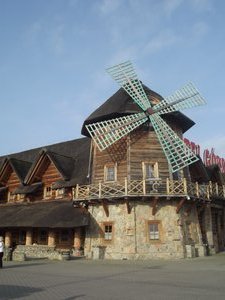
[
  {"x": 52, "y": 214},
  {"x": 199, "y": 172},
  {"x": 27, "y": 189},
  {"x": 215, "y": 174},
  {"x": 71, "y": 158},
  {"x": 121, "y": 104}
]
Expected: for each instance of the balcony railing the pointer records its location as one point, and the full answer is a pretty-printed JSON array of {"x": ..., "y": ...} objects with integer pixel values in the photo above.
[{"x": 153, "y": 187}]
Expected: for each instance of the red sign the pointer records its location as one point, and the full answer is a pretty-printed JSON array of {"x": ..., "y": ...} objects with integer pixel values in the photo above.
[
  {"x": 210, "y": 158},
  {"x": 195, "y": 148}
]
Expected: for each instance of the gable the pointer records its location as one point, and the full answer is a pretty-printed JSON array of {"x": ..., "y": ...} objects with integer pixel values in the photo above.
[{"x": 44, "y": 170}]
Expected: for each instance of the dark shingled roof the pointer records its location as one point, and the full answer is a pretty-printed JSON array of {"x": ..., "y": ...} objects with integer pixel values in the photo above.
[
  {"x": 19, "y": 166},
  {"x": 121, "y": 104},
  {"x": 198, "y": 172},
  {"x": 53, "y": 214},
  {"x": 215, "y": 174},
  {"x": 27, "y": 189},
  {"x": 71, "y": 158}
]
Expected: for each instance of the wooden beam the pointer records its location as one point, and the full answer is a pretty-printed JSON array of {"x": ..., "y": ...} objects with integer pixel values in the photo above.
[
  {"x": 188, "y": 211},
  {"x": 180, "y": 204},
  {"x": 128, "y": 205},
  {"x": 105, "y": 207},
  {"x": 154, "y": 205}
]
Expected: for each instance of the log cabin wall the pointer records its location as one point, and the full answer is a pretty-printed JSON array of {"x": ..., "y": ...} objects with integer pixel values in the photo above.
[
  {"x": 50, "y": 175},
  {"x": 13, "y": 181},
  {"x": 145, "y": 147},
  {"x": 116, "y": 154},
  {"x": 142, "y": 145}
]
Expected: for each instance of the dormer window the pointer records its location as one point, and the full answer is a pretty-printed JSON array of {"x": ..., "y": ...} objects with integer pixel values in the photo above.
[
  {"x": 47, "y": 192},
  {"x": 60, "y": 192},
  {"x": 11, "y": 197},
  {"x": 110, "y": 172}
]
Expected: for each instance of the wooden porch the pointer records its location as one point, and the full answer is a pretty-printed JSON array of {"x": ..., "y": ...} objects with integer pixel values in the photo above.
[{"x": 147, "y": 188}]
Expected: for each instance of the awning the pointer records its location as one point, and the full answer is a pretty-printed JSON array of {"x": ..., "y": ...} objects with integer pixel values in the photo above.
[
  {"x": 54, "y": 214},
  {"x": 27, "y": 189}
]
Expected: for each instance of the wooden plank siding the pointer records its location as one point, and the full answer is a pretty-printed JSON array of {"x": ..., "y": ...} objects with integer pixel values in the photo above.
[
  {"x": 116, "y": 154},
  {"x": 147, "y": 149},
  {"x": 13, "y": 182},
  {"x": 140, "y": 146}
]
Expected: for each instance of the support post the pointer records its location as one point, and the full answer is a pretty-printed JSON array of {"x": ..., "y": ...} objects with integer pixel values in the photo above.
[
  {"x": 8, "y": 239},
  {"x": 51, "y": 238},
  {"x": 29, "y": 237},
  {"x": 154, "y": 205},
  {"x": 180, "y": 204}
]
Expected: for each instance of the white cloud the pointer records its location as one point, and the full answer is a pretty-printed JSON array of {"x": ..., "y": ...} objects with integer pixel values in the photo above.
[
  {"x": 164, "y": 39},
  {"x": 108, "y": 6},
  {"x": 170, "y": 6},
  {"x": 56, "y": 37},
  {"x": 202, "y": 5},
  {"x": 200, "y": 29}
]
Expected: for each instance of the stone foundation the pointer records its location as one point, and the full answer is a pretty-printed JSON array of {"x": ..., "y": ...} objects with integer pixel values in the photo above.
[{"x": 23, "y": 252}]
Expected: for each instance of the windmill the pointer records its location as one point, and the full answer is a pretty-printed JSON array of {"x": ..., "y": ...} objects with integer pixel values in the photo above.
[{"x": 106, "y": 133}]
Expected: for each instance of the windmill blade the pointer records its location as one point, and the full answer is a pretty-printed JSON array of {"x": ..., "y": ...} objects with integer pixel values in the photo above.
[
  {"x": 186, "y": 97},
  {"x": 105, "y": 133},
  {"x": 178, "y": 154},
  {"x": 125, "y": 75}
]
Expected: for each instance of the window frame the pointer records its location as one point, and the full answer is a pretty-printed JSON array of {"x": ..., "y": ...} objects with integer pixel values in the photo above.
[
  {"x": 60, "y": 193},
  {"x": 106, "y": 168},
  {"x": 159, "y": 232},
  {"x": 155, "y": 167},
  {"x": 48, "y": 194},
  {"x": 104, "y": 225}
]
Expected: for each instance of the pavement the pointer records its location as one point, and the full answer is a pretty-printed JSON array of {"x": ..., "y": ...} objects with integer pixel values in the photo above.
[{"x": 199, "y": 278}]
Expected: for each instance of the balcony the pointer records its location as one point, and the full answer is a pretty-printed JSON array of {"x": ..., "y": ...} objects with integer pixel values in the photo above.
[{"x": 148, "y": 188}]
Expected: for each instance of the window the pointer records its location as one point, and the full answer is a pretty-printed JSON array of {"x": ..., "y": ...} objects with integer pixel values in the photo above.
[
  {"x": 11, "y": 197},
  {"x": 108, "y": 230},
  {"x": 154, "y": 230},
  {"x": 47, "y": 192},
  {"x": 110, "y": 173},
  {"x": 60, "y": 192},
  {"x": 150, "y": 170},
  {"x": 43, "y": 236},
  {"x": 20, "y": 197}
]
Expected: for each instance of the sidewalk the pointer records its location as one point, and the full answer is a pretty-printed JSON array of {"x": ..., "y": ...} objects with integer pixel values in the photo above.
[{"x": 200, "y": 278}]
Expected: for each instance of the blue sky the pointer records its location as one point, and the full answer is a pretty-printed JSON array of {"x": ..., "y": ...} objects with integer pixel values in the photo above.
[{"x": 53, "y": 56}]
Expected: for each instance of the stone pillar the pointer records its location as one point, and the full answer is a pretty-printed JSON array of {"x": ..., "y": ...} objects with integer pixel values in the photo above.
[
  {"x": 8, "y": 239},
  {"x": 77, "y": 238},
  {"x": 29, "y": 238},
  {"x": 51, "y": 238},
  {"x": 209, "y": 231}
]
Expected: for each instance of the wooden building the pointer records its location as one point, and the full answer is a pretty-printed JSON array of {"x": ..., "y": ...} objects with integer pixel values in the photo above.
[{"x": 121, "y": 203}]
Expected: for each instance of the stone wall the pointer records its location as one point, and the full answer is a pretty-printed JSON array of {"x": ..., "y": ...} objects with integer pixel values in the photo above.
[
  {"x": 130, "y": 235},
  {"x": 23, "y": 252}
]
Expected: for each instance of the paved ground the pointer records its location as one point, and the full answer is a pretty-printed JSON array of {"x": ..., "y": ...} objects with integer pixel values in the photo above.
[{"x": 200, "y": 278}]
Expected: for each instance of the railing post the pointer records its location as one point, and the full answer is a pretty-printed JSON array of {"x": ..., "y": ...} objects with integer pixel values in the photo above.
[
  {"x": 185, "y": 185},
  {"x": 125, "y": 186},
  {"x": 144, "y": 187},
  {"x": 210, "y": 188},
  {"x": 207, "y": 192},
  {"x": 197, "y": 189},
  {"x": 216, "y": 185},
  {"x": 100, "y": 190},
  {"x": 167, "y": 186},
  {"x": 77, "y": 191}
]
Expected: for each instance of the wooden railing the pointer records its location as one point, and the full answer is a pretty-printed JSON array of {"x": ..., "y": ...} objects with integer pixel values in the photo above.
[{"x": 153, "y": 187}]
